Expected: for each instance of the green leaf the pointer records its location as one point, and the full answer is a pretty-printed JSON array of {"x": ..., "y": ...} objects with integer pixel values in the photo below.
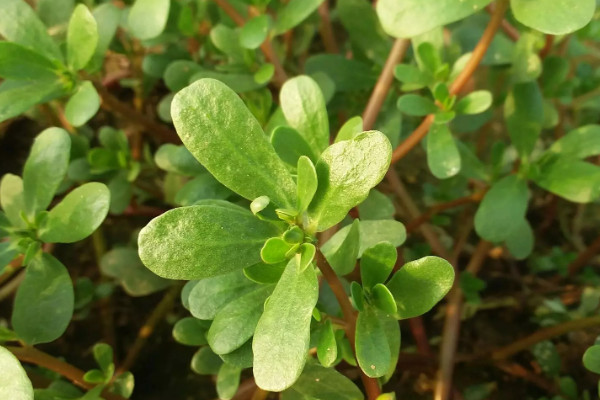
[
  {"x": 358, "y": 295},
  {"x": 123, "y": 384},
  {"x": 148, "y": 18},
  {"x": 591, "y": 359},
  {"x": 409, "y": 18},
  {"x": 274, "y": 250},
  {"x": 55, "y": 12},
  {"x": 350, "y": 129},
  {"x": 383, "y": 299},
  {"x": 254, "y": 32},
  {"x": 321, "y": 383},
  {"x": 227, "y": 40},
  {"x": 7, "y": 253},
  {"x": 553, "y": 17},
  {"x": 371, "y": 233},
  {"x": 44, "y": 302},
  {"x": 20, "y": 24},
  {"x": 178, "y": 159},
  {"x": 305, "y": 256},
  {"x": 201, "y": 241},
  {"x": 83, "y": 105},
  {"x": 228, "y": 380},
  {"x": 306, "y": 182},
  {"x": 16, "y": 97},
  {"x": 474, "y": 103},
  {"x": 443, "y": 157},
  {"x": 45, "y": 168},
  {"x": 377, "y": 263},
  {"x": 293, "y": 13},
  {"x": 205, "y": 362},
  {"x": 242, "y": 357},
  {"x": 234, "y": 324},
  {"x": 376, "y": 206},
  {"x": 82, "y": 38},
  {"x": 11, "y": 199},
  {"x": 548, "y": 358},
  {"x": 346, "y": 172},
  {"x": 391, "y": 328},
  {"x": 521, "y": 240},
  {"x": 304, "y": 109},
  {"x": 125, "y": 265},
  {"x": 582, "y": 142},
  {"x": 501, "y": 209},
  {"x": 415, "y": 105},
  {"x": 19, "y": 62},
  {"x": 218, "y": 129},
  {"x": 524, "y": 114},
  {"x": 107, "y": 17},
  {"x": 342, "y": 257},
  {"x": 14, "y": 383},
  {"x": 78, "y": 215},
  {"x": 347, "y": 74},
  {"x": 421, "y": 284},
  {"x": 372, "y": 349},
  {"x": 574, "y": 180},
  {"x": 264, "y": 273},
  {"x": 282, "y": 336},
  {"x": 190, "y": 331},
  {"x": 290, "y": 145},
  {"x": 103, "y": 354},
  {"x": 327, "y": 346}
]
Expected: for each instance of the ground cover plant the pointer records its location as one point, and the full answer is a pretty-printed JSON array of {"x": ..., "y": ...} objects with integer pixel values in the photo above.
[{"x": 299, "y": 199}]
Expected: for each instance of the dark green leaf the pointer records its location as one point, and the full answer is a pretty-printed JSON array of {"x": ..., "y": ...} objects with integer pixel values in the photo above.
[
  {"x": 294, "y": 13},
  {"x": 591, "y": 359},
  {"x": 524, "y": 114},
  {"x": 521, "y": 240},
  {"x": 83, "y": 105},
  {"x": 18, "y": 62},
  {"x": 372, "y": 349},
  {"x": 103, "y": 354},
  {"x": 342, "y": 257},
  {"x": 306, "y": 182},
  {"x": 82, "y": 38},
  {"x": 321, "y": 383},
  {"x": 553, "y": 17},
  {"x": 107, "y": 17},
  {"x": 16, "y": 97},
  {"x": 125, "y": 265},
  {"x": 443, "y": 157},
  {"x": 290, "y": 145},
  {"x": 413, "y": 104},
  {"x": 14, "y": 383},
  {"x": 383, "y": 299},
  {"x": 346, "y": 74},
  {"x": 377, "y": 263},
  {"x": 241, "y": 358},
  {"x": 376, "y": 206},
  {"x": 190, "y": 331},
  {"x": 358, "y": 296},
  {"x": 148, "y": 18},
  {"x": 205, "y": 362},
  {"x": 327, "y": 346},
  {"x": 371, "y": 233},
  {"x": 177, "y": 159}
]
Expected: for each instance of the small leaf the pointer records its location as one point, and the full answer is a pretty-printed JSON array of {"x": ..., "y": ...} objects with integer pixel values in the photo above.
[
  {"x": 474, "y": 103},
  {"x": 148, "y": 18},
  {"x": 443, "y": 157},
  {"x": 14, "y": 383},
  {"x": 83, "y": 105},
  {"x": 274, "y": 250},
  {"x": 553, "y": 17},
  {"x": 377, "y": 263},
  {"x": 342, "y": 257},
  {"x": 241, "y": 358},
  {"x": 306, "y": 254},
  {"x": 259, "y": 204},
  {"x": 254, "y": 32},
  {"x": 415, "y": 105},
  {"x": 103, "y": 354},
  {"x": 11, "y": 199},
  {"x": 293, "y": 13},
  {"x": 501, "y": 209},
  {"x": 264, "y": 273},
  {"x": 201, "y": 241},
  {"x": 82, "y": 38},
  {"x": 44, "y": 302},
  {"x": 205, "y": 362},
  {"x": 327, "y": 346},
  {"x": 218, "y": 129},
  {"x": 45, "y": 168},
  {"x": 371, "y": 233},
  {"x": 190, "y": 331},
  {"x": 358, "y": 296},
  {"x": 421, "y": 284},
  {"x": 177, "y": 159},
  {"x": 306, "y": 183},
  {"x": 350, "y": 129},
  {"x": 123, "y": 384},
  {"x": 282, "y": 336},
  {"x": 346, "y": 172},
  {"x": 524, "y": 114},
  {"x": 78, "y": 215},
  {"x": 383, "y": 299},
  {"x": 18, "y": 62},
  {"x": 591, "y": 359},
  {"x": 16, "y": 97},
  {"x": 580, "y": 143},
  {"x": 228, "y": 380},
  {"x": 372, "y": 349},
  {"x": 304, "y": 109}
]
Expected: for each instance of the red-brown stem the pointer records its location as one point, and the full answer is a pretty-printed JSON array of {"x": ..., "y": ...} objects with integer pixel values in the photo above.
[
  {"x": 460, "y": 81},
  {"x": 74, "y": 374},
  {"x": 507, "y": 28},
  {"x": 584, "y": 257},
  {"x": 384, "y": 82},
  {"x": 326, "y": 30},
  {"x": 418, "y": 331},
  {"x": 452, "y": 325},
  {"x": 371, "y": 385},
  {"x": 547, "y": 46}
]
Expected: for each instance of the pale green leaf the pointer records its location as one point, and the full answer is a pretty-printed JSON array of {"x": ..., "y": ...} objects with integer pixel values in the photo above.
[
  {"x": 582, "y": 142},
  {"x": 443, "y": 157},
  {"x": 19, "y": 62},
  {"x": 14, "y": 383},
  {"x": 307, "y": 183},
  {"x": 83, "y": 105},
  {"x": 82, "y": 38},
  {"x": 553, "y": 17},
  {"x": 148, "y": 18},
  {"x": 11, "y": 199}
]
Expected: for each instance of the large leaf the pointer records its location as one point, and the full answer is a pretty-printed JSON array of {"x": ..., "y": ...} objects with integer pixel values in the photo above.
[
  {"x": 524, "y": 114},
  {"x": 282, "y": 335},
  {"x": 217, "y": 128},
  {"x": 304, "y": 109},
  {"x": 420, "y": 284},
  {"x": 11, "y": 199},
  {"x": 82, "y": 38},
  {"x": 201, "y": 241},
  {"x": 572, "y": 179},
  {"x": 582, "y": 142},
  {"x": 148, "y": 18},
  {"x": 372, "y": 348},
  {"x": 234, "y": 324},
  {"x": 502, "y": 208},
  {"x": 409, "y": 18},
  {"x": 321, "y": 383},
  {"x": 19, "y": 62},
  {"x": 45, "y": 168},
  {"x": 78, "y": 215},
  {"x": 346, "y": 172},
  {"x": 554, "y": 17},
  {"x": 19, "y": 24},
  {"x": 44, "y": 302},
  {"x": 14, "y": 383}
]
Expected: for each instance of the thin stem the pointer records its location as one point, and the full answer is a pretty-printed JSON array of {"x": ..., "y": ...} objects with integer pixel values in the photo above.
[
  {"x": 460, "y": 81},
  {"x": 384, "y": 82},
  {"x": 371, "y": 385},
  {"x": 584, "y": 257},
  {"x": 326, "y": 30},
  {"x": 74, "y": 374},
  {"x": 106, "y": 303}
]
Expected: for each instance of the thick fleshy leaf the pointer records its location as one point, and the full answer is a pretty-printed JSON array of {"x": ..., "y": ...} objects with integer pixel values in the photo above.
[
  {"x": 371, "y": 233},
  {"x": 7, "y": 253},
  {"x": 190, "y": 331},
  {"x": 372, "y": 349},
  {"x": 591, "y": 359},
  {"x": 342, "y": 257},
  {"x": 254, "y": 32},
  {"x": 502, "y": 208},
  {"x": 391, "y": 328},
  {"x": 304, "y": 109},
  {"x": 234, "y": 324},
  {"x": 294, "y": 13},
  {"x": 327, "y": 346},
  {"x": 241, "y": 358},
  {"x": 409, "y": 18},
  {"x": 78, "y": 215},
  {"x": 217, "y": 128},
  {"x": 521, "y": 240},
  {"x": 582, "y": 142},
  {"x": 443, "y": 157},
  {"x": 474, "y": 103},
  {"x": 202, "y": 241},
  {"x": 572, "y": 179},
  {"x": 83, "y": 105},
  {"x": 14, "y": 383},
  {"x": 18, "y": 96},
  {"x": 11, "y": 199},
  {"x": 265, "y": 273},
  {"x": 19, "y": 62},
  {"x": 524, "y": 114},
  {"x": 107, "y": 16},
  {"x": 376, "y": 206},
  {"x": 413, "y": 104},
  {"x": 228, "y": 381},
  {"x": 282, "y": 336},
  {"x": 351, "y": 128},
  {"x": 290, "y": 145},
  {"x": 346, "y": 172},
  {"x": 421, "y": 284},
  {"x": 178, "y": 159},
  {"x": 377, "y": 263},
  {"x": 20, "y": 24},
  {"x": 45, "y": 168},
  {"x": 205, "y": 362},
  {"x": 321, "y": 383},
  {"x": 82, "y": 38},
  {"x": 44, "y": 302},
  {"x": 307, "y": 183},
  {"x": 148, "y": 18},
  {"x": 553, "y": 17}
]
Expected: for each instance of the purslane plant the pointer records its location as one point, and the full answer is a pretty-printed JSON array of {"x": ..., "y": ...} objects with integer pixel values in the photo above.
[{"x": 275, "y": 302}]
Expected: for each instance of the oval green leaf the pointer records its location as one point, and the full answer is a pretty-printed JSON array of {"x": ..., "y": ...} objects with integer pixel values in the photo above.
[
  {"x": 14, "y": 383},
  {"x": 553, "y": 17},
  {"x": 83, "y": 105},
  {"x": 82, "y": 38},
  {"x": 148, "y": 18},
  {"x": 372, "y": 348}
]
